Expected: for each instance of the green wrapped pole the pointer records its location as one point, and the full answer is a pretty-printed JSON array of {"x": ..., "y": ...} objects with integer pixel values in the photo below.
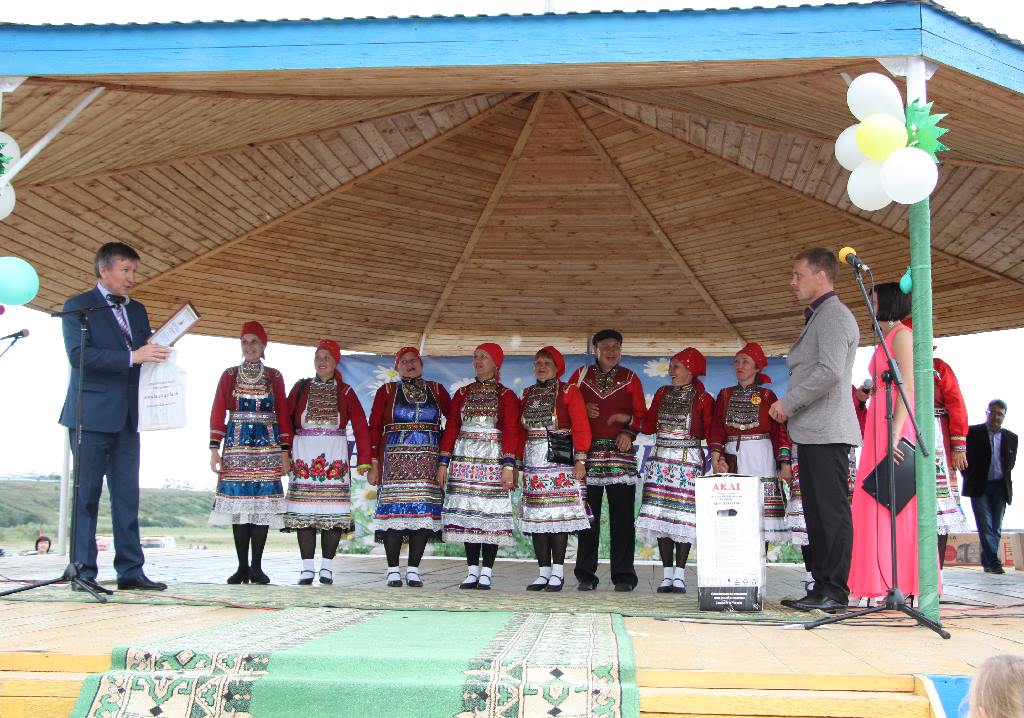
[{"x": 924, "y": 406}]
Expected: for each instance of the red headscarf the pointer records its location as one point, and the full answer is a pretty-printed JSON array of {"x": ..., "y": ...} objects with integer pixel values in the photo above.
[
  {"x": 406, "y": 350},
  {"x": 693, "y": 360},
  {"x": 495, "y": 353},
  {"x": 335, "y": 351},
  {"x": 556, "y": 357},
  {"x": 256, "y": 329},
  {"x": 756, "y": 353}
]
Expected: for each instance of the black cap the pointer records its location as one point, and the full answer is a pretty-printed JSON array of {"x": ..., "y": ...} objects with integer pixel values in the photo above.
[{"x": 606, "y": 334}]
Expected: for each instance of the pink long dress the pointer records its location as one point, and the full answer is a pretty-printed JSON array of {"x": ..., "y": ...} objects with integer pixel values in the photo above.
[{"x": 871, "y": 566}]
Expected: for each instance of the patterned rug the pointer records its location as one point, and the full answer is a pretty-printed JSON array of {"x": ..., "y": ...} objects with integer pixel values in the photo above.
[
  {"x": 401, "y": 664},
  {"x": 637, "y": 603}
]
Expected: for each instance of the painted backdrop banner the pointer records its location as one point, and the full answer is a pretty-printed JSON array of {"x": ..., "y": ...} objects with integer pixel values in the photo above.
[{"x": 365, "y": 373}]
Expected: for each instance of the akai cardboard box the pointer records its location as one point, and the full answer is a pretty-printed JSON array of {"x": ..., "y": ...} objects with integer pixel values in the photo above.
[
  {"x": 964, "y": 549},
  {"x": 730, "y": 543}
]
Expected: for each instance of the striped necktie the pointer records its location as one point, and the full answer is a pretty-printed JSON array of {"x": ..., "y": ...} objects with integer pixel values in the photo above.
[{"x": 122, "y": 321}]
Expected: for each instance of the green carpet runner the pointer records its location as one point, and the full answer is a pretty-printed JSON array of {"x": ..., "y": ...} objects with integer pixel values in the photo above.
[{"x": 312, "y": 662}]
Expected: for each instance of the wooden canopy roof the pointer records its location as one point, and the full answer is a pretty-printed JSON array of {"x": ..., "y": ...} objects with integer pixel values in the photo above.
[{"x": 521, "y": 203}]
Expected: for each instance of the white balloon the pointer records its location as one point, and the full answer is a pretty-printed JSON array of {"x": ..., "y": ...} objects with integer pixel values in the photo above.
[
  {"x": 847, "y": 151},
  {"x": 873, "y": 92},
  {"x": 10, "y": 148},
  {"x": 909, "y": 175},
  {"x": 865, "y": 187},
  {"x": 6, "y": 201}
]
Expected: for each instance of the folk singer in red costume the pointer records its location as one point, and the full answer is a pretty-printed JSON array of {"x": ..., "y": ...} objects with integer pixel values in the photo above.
[
  {"x": 744, "y": 439},
  {"x": 478, "y": 460},
  {"x": 616, "y": 408},
  {"x": 405, "y": 428}
]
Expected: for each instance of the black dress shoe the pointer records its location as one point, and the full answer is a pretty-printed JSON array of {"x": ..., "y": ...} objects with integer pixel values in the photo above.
[
  {"x": 140, "y": 583},
  {"x": 538, "y": 586},
  {"x": 826, "y": 604},
  {"x": 328, "y": 578},
  {"x": 91, "y": 583},
  {"x": 553, "y": 587},
  {"x": 304, "y": 579},
  {"x": 623, "y": 588},
  {"x": 586, "y": 586},
  {"x": 256, "y": 575},
  {"x": 413, "y": 582},
  {"x": 994, "y": 569},
  {"x": 791, "y": 602},
  {"x": 239, "y": 576}
]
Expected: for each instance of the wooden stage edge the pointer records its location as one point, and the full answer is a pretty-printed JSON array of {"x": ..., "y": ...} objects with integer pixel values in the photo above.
[{"x": 685, "y": 667}]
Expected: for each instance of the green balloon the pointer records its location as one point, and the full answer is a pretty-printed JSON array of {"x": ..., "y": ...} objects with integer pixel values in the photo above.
[{"x": 19, "y": 282}]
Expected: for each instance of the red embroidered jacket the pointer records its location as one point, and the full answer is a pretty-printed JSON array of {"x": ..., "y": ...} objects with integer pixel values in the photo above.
[
  {"x": 507, "y": 421},
  {"x": 224, "y": 401},
  {"x": 701, "y": 411},
  {"x": 720, "y": 434},
  {"x": 349, "y": 410},
  {"x": 383, "y": 409},
  {"x": 948, "y": 397},
  {"x": 624, "y": 394},
  {"x": 571, "y": 413}
]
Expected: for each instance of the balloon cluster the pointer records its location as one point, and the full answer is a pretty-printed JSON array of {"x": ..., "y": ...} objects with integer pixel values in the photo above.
[
  {"x": 19, "y": 282},
  {"x": 891, "y": 152},
  {"x": 9, "y": 156}
]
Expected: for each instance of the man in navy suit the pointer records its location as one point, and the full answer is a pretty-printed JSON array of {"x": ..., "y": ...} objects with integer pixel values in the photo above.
[
  {"x": 115, "y": 348},
  {"x": 991, "y": 454}
]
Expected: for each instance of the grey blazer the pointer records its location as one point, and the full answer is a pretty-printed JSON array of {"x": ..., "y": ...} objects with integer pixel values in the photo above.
[{"x": 818, "y": 401}]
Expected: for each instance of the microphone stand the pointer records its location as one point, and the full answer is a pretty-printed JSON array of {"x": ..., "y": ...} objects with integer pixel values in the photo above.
[
  {"x": 894, "y": 598},
  {"x": 8, "y": 348},
  {"x": 73, "y": 571}
]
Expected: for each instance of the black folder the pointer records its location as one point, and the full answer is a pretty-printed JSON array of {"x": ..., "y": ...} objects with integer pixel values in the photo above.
[{"x": 876, "y": 484}]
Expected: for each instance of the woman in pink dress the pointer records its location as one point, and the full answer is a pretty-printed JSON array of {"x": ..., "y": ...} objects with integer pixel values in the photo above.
[{"x": 871, "y": 567}]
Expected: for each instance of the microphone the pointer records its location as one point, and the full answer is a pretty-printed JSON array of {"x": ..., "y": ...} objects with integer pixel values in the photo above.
[
  {"x": 868, "y": 384},
  {"x": 17, "y": 335},
  {"x": 118, "y": 299},
  {"x": 849, "y": 255}
]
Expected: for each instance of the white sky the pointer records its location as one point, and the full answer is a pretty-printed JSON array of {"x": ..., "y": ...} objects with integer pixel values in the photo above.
[{"x": 33, "y": 374}]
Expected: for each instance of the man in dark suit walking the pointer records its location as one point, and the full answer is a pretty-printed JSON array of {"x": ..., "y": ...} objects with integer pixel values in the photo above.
[
  {"x": 991, "y": 454},
  {"x": 115, "y": 348}
]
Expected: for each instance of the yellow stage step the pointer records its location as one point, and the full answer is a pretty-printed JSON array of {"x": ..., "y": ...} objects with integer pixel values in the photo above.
[
  {"x": 53, "y": 662},
  {"x": 778, "y": 703},
  {"x": 25, "y": 694},
  {"x": 667, "y": 678}
]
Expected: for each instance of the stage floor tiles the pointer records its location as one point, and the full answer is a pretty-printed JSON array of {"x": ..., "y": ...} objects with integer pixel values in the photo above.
[{"x": 686, "y": 666}]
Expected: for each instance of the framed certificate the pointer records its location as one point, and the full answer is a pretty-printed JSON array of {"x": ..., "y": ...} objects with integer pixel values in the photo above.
[{"x": 176, "y": 327}]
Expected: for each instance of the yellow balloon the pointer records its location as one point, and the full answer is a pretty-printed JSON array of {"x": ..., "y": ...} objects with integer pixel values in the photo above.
[{"x": 881, "y": 134}]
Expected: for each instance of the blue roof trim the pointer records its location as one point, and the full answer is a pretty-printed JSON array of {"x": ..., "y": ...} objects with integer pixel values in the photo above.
[
  {"x": 889, "y": 28},
  {"x": 968, "y": 47}
]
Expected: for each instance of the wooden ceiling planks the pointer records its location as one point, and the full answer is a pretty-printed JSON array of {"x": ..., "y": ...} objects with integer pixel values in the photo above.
[
  {"x": 381, "y": 249},
  {"x": 281, "y": 205},
  {"x": 122, "y": 129},
  {"x": 406, "y": 82}
]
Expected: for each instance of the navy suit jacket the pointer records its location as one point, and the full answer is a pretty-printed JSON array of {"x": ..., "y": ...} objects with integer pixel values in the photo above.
[{"x": 110, "y": 393}]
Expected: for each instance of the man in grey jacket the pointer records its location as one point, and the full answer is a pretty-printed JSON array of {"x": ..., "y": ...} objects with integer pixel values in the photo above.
[{"x": 823, "y": 424}]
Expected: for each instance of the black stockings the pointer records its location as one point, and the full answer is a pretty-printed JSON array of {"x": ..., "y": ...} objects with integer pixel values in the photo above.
[
  {"x": 550, "y": 548},
  {"x": 667, "y": 547},
  {"x": 490, "y": 551},
  {"x": 943, "y": 538},
  {"x": 393, "y": 547},
  {"x": 246, "y": 535},
  {"x": 329, "y": 541}
]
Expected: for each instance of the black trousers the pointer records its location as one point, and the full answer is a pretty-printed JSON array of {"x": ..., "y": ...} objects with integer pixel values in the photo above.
[
  {"x": 824, "y": 477},
  {"x": 622, "y": 523}
]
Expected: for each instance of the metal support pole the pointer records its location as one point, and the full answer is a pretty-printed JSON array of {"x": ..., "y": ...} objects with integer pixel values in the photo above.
[
  {"x": 49, "y": 136},
  {"x": 65, "y": 484},
  {"x": 924, "y": 382}
]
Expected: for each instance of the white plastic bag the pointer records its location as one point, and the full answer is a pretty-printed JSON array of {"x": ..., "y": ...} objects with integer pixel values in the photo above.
[{"x": 162, "y": 395}]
